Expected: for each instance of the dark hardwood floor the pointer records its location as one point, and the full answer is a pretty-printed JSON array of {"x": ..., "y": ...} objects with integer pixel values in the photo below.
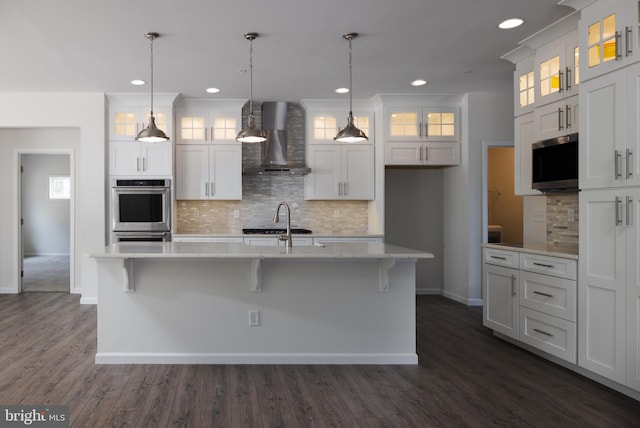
[{"x": 466, "y": 378}]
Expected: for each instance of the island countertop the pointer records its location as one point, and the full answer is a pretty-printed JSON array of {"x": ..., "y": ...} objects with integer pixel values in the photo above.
[{"x": 232, "y": 250}]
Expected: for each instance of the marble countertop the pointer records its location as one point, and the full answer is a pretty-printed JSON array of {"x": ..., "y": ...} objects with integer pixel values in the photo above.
[
  {"x": 542, "y": 249},
  {"x": 227, "y": 250}
]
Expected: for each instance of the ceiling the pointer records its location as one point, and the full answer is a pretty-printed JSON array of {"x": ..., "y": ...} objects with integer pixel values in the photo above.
[{"x": 87, "y": 46}]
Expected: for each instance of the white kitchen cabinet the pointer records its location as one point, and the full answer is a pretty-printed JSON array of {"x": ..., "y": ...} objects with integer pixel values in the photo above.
[
  {"x": 602, "y": 286},
  {"x": 557, "y": 69},
  {"x": 531, "y": 297},
  {"x": 209, "y": 172},
  {"x": 524, "y": 87},
  {"x": 323, "y": 125},
  {"x": 125, "y": 122},
  {"x": 501, "y": 310},
  {"x": 340, "y": 171},
  {"x": 137, "y": 158},
  {"x": 523, "y": 128},
  {"x": 610, "y": 131},
  {"x": 633, "y": 290},
  {"x": 421, "y": 124},
  {"x": 207, "y": 126},
  {"x": 608, "y": 36},
  {"x": 416, "y": 153},
  {"x": 556, "y": 119}
]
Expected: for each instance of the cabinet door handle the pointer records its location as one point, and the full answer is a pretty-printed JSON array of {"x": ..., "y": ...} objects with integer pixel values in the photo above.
[
  {"x": 498, "y": 257},
  {"x": 618, "y": 201},
  {"x": 617, "y": 38},
  {"x": 206, "y": 188},
  {"x": 206, "y": 133},
  {"x": 426, "y": 154},
  {"x": 420, "y": 154},
  {"x": 616, "y": 165},
  {"x": 543, "y": 332},
  {"x": 513, "y": 285},
  {"x": 568, "y": 78},
  {"x": 213, "y": 188},
  {"x": 628, "y": 50},
  {"x": 543, "y": 294},
  {"x": 567, "y": 116},
  {"x": 628, "y": 163},
  {"x": 339, "y": 189},
  {"x": 138, "y": 164},
  {"x": 346, "y": 188},
  {"x": 420, "y": 130},
  {"x": 560, "y": 78},
  {"x": 559, "y": 118},
  {"x": 629, "y": 203},
  {"x": 542, "y": 265},
  {"x": 144, "y": 164}
]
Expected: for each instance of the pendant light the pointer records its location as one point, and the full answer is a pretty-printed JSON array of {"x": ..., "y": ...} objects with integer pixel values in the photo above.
[
  {"x": 350, "y": 133},
  {"x": 251, "y": 134},
  {"x": 151, "y": 134}
]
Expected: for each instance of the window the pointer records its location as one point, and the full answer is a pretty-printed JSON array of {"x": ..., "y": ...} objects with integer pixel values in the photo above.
[{"x": 59, "y": 187}]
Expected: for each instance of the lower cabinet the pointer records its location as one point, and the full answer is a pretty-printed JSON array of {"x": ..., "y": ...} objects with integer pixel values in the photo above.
[{"x": 532, "y": 298}]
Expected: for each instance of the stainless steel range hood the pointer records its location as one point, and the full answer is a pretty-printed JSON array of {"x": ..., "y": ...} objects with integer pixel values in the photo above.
[{"x": 275, "y": 159}]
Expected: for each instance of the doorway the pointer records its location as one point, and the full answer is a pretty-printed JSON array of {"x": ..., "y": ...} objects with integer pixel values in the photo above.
[
  {"x": 45, "y": 242},
  {"x": 502, "y": 208}
]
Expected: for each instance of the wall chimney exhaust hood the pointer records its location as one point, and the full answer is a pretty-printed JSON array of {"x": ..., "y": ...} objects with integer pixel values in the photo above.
[{"x": 275, "y": 157}]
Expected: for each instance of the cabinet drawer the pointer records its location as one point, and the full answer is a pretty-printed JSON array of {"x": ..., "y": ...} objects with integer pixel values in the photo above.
[
  {"x": 501, "y": 257},
  {"x": 548, "y": 294},
  {"x": 548, "y": 333},
  {"x": 556, "y": 266}
]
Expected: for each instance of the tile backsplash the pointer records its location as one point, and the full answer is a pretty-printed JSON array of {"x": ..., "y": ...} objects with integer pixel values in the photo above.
[{"x": 562, "y": 221}]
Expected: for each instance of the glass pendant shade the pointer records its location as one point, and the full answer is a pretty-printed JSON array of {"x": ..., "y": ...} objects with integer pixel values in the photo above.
[
  {"x": 251, "y": 134},
  {"x": 151, "y": 134},
  {"x": 350, "y": 133}
]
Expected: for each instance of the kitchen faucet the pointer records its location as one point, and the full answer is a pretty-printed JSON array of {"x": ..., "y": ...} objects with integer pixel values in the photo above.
[{"x": 276, "y": 219}]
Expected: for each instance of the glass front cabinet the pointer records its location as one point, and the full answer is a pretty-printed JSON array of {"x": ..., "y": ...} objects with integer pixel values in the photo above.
[{"x": 609, "y": 36}]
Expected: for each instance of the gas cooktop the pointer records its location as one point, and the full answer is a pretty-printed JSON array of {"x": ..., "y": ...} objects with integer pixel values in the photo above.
[{"x": 273, "y": 231}]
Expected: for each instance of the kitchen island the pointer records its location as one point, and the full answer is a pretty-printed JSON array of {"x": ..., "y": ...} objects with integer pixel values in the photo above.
[{"x": 231, "y": 303}]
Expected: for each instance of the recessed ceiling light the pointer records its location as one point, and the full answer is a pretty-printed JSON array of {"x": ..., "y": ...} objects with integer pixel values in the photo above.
[
  {"x": 137, "y": 82},
  {"x": 510, "y": 23},
  {"x": 342, "y": 90},
  {"x": 419, "y": 82},
  {"x": 212, "y": 90}
]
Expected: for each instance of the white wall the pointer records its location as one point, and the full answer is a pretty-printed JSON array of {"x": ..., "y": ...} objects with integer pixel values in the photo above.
[
  {"x": 30, "y": 112},
  {"x": 46, "y": 221},
  {"x": 485, "y": 117}
]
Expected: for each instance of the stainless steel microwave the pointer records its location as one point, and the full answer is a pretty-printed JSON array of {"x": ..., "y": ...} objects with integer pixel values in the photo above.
[{"x": 554, "y": 165}]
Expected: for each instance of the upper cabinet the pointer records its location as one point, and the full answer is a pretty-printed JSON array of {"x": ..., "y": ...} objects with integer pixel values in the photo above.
[
  {"x": 609, "y": 36},
  {"x": 206, "y": 121},
  {"x": 129, "y": 114},
  {"x": 557, "y": 69},
  {"x": 323, "y": 125},
  {"x": 524, "y": 87},
  {"x": 421, "y": 124},
  {"x": 136, "y": 158}
]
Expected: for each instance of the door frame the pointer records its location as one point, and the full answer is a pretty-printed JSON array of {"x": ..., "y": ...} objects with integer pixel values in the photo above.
[
  {"x": 485, "y": 183},
  {"x": 17, "y": 204}
]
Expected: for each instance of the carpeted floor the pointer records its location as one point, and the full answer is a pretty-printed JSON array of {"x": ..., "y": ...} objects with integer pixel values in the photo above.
[{"x": 46, "y": 273}]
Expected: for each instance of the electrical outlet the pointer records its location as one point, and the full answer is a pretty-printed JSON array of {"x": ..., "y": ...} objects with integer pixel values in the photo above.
[
  {"x": 540, "y": 215},
  {"x": 336, "y": 213},
  {"x": 254, "y": 317},
  {"x": 236, "y": 213},
  {"x": 571, "y": 215}
]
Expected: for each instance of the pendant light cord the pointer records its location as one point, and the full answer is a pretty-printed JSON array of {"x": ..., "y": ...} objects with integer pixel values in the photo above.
[
  {"x": 151, "y": 37},
  {"x": 350, "y": 79},
  {"x": 251, "y": 76}
]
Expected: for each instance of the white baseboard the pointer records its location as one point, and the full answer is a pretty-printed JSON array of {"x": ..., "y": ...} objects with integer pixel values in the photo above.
[
  {"x": 88, "y": 300},
  {"x": 8, "y": 291},
  {"x": 461, "y": 299},
  {"x": 45, "y": 254},
  {"x": 344, "y": 359}
]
